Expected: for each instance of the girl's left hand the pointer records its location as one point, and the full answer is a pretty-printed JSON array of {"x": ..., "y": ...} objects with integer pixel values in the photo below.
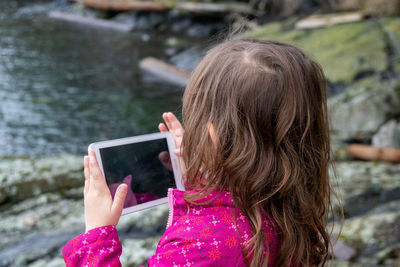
[{"x": 100, "y": 209}]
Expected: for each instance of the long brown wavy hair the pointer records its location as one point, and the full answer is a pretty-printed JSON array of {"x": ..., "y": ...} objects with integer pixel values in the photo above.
[{"x": 266, "y": 102}]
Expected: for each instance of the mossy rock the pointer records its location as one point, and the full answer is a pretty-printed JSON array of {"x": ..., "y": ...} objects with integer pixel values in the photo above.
[
  {"x": 374, "y": 230},
  {"x": 392, "y": 29},
  {"x": 344, "y": 50},
  {"x": 365, "y": 185}
]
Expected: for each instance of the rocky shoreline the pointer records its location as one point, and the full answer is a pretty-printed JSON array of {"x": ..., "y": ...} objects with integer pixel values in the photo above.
[
  {"x": 37, "y": 221},
  {"x": 34, "y": 229},
  {"x": 41, "y": 205}
]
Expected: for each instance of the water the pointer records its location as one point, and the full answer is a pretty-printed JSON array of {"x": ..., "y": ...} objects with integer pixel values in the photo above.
[{"x": 63, "y": 86}]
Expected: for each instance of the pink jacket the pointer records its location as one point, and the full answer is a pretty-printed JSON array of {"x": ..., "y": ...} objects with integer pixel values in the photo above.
[{"x": 210, "y": 234}]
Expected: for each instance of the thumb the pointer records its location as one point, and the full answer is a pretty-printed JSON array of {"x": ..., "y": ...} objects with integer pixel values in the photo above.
[
  {"x": 119, "y": 199},
  {"x": 177, "y": 152}
]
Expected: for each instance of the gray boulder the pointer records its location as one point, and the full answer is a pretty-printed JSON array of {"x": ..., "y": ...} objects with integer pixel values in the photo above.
[
  {"x": 364, "y": 185},
  {"x": 22, "y": 177},
  {"x": 388, "y": 135},
  {"x": 363, "y": 107}
]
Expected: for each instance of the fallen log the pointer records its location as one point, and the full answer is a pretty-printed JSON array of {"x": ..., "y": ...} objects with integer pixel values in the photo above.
[
  {"x": 165, "y": 71},
  {"x": 320, "y": 21},
  {"x": 370, "y": 153},
  {"x": 124, "y": 5},
  {"x": 214, "y": 7},
  {"x": 90, "y": 21}
]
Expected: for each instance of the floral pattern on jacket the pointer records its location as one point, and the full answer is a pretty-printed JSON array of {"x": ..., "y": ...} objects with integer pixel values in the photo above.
[{"x": 208, "y": 234}]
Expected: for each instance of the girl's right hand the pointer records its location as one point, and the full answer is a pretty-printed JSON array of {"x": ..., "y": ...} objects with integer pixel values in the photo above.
[{"x": 174, "y": 126}]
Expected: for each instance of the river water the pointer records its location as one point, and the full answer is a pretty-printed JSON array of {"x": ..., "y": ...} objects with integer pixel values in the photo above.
[{"x": 65, "y": 85}]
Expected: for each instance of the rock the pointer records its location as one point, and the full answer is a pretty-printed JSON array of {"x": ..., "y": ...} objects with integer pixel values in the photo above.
[
  {"x": 365, "y": 185},
  {"x": 363, "y": 107},
  {"x": 336, "y": 48},
  {"x": 348, "y": 5},
  {"x": 39, "y": 214},
  {"x": 370, "y": 7},
  {"x": 290, "y": 7},
  {"x": 181, "y": 25},
  {"x": 377, "y": 229},
  {"x": 339, "y": 149},
  {"x": 392, "y": 29},
  {"x": 34, "y": 246},
  {"x": 124, "y": 5},
  {"x": 392, "y": 252},
  {"x": 22, "y": 178},
  {"x": 136, "y": 252},
  {"x": 81, "y": 10},
  {"x": 174, "y": 20},
  {"x": 200, "y": 30},
  {"x": 343, "y": 252},
  {"x": 388, "y": 135},
  {"x": 24, "y": 243},
  {"x": 147, "y": 222},
  {"x": 49, "y": 262},
  {"x": 29, "y": 222},
  {"x": 33, "y": 230},
  {"x": 142, "y": 21},
  {"x": 148, "y": 21},
  {"x": 382, "y": 7},
  {"x": 188, "y": 59}
]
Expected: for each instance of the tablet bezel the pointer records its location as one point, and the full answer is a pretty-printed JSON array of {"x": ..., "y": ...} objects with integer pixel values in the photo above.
[{"x": 137, "y": 139}]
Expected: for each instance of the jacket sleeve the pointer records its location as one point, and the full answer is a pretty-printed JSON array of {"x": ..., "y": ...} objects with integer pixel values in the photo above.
[{"x": 97, "y": 247}]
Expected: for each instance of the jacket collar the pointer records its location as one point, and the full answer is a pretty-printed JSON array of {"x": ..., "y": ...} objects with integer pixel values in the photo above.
[{"x": 216, "y": 198}]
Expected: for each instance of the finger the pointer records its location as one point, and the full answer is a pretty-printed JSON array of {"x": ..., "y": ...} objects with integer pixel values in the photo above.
[
  {"x": 174, "y": 125},
  {"x": 96, "y": 177},
  {"x": 119, "y": 200},
  {"x": 86, "y": 172},
  {"x": 165, "y": 116},
  {"x": 162, "y": 127}
]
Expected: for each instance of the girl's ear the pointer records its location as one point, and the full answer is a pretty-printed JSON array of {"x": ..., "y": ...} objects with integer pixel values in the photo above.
[{"x": 212, "y": 133}]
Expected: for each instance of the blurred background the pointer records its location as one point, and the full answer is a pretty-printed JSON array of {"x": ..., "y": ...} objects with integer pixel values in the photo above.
[{"x": 76, "y": 72}]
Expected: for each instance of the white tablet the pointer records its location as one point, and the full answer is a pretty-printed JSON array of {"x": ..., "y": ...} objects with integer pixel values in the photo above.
[{"x": 146, "y": 163}]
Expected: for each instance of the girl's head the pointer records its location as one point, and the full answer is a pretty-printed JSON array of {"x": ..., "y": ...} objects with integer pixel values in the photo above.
[{"x": 265, "y": 102}]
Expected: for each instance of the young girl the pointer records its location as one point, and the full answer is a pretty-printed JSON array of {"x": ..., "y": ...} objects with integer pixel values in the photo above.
[{"x": 255, "y": 151}]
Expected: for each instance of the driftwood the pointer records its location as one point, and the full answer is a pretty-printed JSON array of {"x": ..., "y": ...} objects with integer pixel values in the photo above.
[
  {"x": 371, "y": 153},
  {"x": 165, "y": 71},
  {"x": 91, "y": 21},
  {"x": 124, "y": 5},
  {"x": 319, "y": 21},
  {"x": 214, "y": 7}
]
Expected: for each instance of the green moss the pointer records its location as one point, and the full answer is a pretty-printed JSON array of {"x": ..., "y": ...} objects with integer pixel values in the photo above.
[
  {"x": 344, "y": 50},
  {"x": 346, "y": 238},
  {"x": 392, "y": 26},
  {"x": 264, "y": 32},
  {"x": 43, "y": 170}
]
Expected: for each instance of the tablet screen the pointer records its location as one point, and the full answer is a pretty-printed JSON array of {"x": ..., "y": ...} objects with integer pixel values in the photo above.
[{"x": 144, "y": 166}]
